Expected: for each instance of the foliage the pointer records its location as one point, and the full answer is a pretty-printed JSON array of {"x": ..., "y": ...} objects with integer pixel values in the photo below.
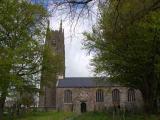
[
  {"x": 22, "y": 31},
  {"x": 52, "y": 66},
  {"x": 125, "y": 44}
]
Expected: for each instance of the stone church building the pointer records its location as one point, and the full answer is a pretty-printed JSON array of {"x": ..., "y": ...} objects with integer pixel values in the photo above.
[{"x": 81, "y": 94}]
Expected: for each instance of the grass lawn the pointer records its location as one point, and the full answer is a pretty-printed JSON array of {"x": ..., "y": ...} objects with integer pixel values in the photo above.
[
  {"x": 106, "y": 116},
  {"x": 47, "y": 116},
  {"x": 86, "y": 116}
]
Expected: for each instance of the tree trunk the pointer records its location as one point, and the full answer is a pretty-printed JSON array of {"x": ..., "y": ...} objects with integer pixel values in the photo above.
[
  {"x": 150, "y": 101},
  {"x": 2, "y": 102},
  {"x": 150, "y": 106},
  {"x": 45, "y": 100},
  {"x": 1, "y": 110}
]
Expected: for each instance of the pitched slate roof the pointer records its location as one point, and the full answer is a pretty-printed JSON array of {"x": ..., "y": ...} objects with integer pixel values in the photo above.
[{"x": 78, "y": 82}]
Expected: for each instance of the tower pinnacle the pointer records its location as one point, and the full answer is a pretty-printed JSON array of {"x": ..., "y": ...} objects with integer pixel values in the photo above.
[{"x": 60, "y": 25}]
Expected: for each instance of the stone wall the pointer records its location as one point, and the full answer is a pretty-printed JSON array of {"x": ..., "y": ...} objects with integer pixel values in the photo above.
[
  {"x": 48, "y": 97},
  {"x": 88, "y": 95}
]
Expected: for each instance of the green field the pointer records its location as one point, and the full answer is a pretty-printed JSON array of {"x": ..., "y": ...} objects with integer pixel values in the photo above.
[{"x": 86, "y": 116}]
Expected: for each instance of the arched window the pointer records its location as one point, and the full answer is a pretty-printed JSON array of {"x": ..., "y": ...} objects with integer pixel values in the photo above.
[
  {"x": 116, "y": 97},
  {"x": 131, "y": 95},
  {"x": 67, "y": 96},
  {"x": 99, "y": 95}
]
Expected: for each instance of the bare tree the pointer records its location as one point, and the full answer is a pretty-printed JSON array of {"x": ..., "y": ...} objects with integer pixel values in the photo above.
[{"x": 72, "y": 9}]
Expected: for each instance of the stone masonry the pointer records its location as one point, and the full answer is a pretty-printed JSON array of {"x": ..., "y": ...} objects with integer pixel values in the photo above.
[{"x": 87, "y": 95}]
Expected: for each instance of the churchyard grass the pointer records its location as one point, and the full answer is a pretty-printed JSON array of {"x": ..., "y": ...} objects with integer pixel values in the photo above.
[
  {"x": 108, "y": 116},
  {"x": 50, "y": 115},
  {"x": 53, "y": 115}
]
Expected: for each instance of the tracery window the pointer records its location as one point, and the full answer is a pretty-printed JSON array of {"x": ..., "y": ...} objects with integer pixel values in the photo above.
[
  {"x": 67, "y": 96},
  {"x": 99, "y": 95},
  {"x": 116, "y": 97},
  {"x": 131, "y": 95}
]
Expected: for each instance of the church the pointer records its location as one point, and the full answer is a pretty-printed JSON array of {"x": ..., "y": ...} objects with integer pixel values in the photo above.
[{"x": 82, "y": 94}]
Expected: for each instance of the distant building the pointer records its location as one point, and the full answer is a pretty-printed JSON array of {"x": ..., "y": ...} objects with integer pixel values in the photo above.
[{"x": 92, "y": 94}]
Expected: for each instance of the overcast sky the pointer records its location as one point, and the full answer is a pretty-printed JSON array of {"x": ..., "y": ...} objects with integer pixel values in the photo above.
[{"x": 77, "y": 61}]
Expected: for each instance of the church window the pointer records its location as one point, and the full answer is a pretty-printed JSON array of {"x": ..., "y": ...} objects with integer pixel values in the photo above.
[
  {"x": 67, "y": 96},
  {"x": 131, "y": 95},
  {"x": 99, "y": 95},
  {"x": 116, "y": 97}
]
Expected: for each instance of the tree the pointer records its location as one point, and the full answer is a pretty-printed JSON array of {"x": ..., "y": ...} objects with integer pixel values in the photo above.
[
  {"x": 52, "y": 64},
  {"x": 52, "y": 67},
  {"x": 22, "y": 30},
  {"x": 125, "y": 44},
  {"x": 74, "y": 10}
]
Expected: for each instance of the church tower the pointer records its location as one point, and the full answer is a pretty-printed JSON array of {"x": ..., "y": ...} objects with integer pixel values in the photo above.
[{"x": 56, "y": 42}]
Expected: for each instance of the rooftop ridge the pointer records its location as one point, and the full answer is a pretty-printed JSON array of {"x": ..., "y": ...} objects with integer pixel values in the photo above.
[{"x": 83, "y": 82}]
